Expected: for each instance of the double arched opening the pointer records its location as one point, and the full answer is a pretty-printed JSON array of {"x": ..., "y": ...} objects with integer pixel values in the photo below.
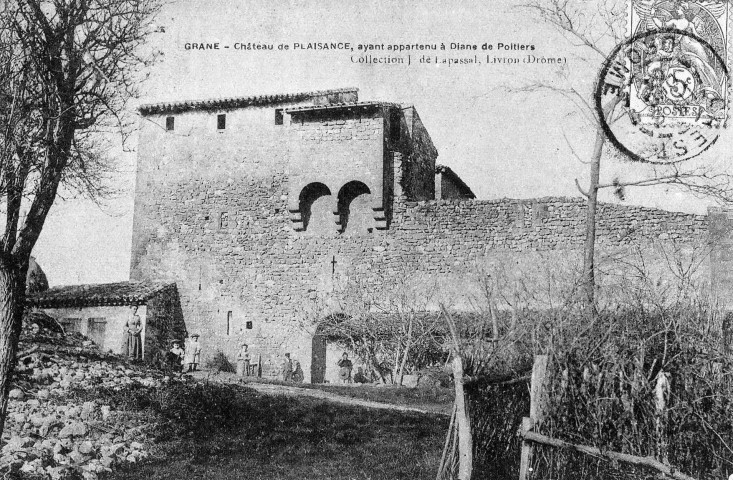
[{"x": 351, "y": 210}]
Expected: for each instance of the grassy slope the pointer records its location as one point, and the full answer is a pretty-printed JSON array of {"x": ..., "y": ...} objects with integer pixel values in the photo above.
[{"x": 300, "y": 438}]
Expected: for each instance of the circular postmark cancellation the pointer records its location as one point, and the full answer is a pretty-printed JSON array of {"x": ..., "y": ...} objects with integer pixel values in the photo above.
[{"x": 662, "y": 96}]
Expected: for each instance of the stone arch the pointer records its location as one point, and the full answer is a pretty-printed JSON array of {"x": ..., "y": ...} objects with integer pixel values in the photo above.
[
  {"x": 320, "y": 347},
  {"x": 314, "y": 205},
  {"x": 354, "y": 208}
]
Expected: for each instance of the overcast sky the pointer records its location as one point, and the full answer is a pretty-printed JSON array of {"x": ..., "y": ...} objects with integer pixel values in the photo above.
[{"x": 502, "y": 142}]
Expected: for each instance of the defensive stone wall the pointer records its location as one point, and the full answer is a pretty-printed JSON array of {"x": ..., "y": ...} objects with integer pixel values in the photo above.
[{"x": 255, "y": 279}]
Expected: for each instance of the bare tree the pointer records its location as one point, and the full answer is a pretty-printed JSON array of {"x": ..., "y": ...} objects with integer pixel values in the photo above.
[
  {"x": 67, "y": 71},
  {"x": 595, "y": 29}
]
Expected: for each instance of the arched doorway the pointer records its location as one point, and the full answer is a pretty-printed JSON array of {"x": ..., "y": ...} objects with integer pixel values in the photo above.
[{"x": 320, "y": 346}]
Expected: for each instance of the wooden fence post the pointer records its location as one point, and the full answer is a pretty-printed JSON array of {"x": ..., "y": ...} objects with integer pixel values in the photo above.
[
  {"x": 463, "y": 422},
  {"x": 537, "y": 405}
]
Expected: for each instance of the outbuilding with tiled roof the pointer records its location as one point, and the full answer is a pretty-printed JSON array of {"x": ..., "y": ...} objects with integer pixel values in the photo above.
[{"x": 104, "y": 313}]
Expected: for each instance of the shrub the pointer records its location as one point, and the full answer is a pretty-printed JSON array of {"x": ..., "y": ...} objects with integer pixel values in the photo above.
[{"x": 220, "y": 363}]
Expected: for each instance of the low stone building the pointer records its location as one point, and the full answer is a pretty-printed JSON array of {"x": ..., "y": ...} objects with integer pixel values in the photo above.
[{"x": 101, "y": 312}]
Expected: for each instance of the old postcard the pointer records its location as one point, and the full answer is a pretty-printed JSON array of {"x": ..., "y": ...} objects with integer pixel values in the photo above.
[{"x": 378, "y": 239}]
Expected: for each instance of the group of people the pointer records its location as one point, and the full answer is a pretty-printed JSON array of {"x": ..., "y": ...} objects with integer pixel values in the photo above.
[
  {"x": 345, "y": 367},
  {"x": 188, "y": 358},
  {"x": 291, "y": 370}
]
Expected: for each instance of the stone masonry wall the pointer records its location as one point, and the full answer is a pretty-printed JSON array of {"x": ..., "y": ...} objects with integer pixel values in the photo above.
[{"x": 211, "y": 214}]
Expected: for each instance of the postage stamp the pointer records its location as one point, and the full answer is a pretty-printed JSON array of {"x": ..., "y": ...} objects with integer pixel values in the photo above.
[{"x": 668, "y": 83}]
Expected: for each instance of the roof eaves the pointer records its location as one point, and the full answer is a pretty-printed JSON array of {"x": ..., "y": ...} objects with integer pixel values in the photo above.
[
  {"x": 235, "y": 102},
  {"x": 338, "y": 106}
]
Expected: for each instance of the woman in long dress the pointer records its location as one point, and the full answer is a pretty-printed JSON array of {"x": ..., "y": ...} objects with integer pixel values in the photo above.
[{"x": 134, "y": 347}]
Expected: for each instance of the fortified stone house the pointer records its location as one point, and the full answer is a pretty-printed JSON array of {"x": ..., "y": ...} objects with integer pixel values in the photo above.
[{"x": 257, "y": 206}]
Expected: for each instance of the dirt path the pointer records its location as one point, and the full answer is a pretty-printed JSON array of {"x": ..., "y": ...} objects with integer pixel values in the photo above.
[{"x": 276, "y": 389}]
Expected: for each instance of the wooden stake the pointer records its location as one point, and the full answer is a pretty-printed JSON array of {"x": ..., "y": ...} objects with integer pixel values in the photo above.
[
  {"x": 537, "y": 405},
  {"x": 465, "y": 442}
]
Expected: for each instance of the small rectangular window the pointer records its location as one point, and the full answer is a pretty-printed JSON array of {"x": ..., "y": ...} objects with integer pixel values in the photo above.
[
  {"x": 229, "y": 322},
  {"x": 221, "y": 121},
  {"x": 170, "y": 123},
  {"x": 249, "y": 325},
  {"x": 71, "y": 324},
  {"x": 224, "y": 220},
  {"x": 278, "y": 116}
]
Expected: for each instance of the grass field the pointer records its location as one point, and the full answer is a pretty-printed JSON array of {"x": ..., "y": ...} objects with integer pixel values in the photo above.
[{"x": 279, "y": 437}]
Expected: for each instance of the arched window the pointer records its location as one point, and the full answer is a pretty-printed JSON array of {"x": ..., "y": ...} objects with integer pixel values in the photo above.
[
  {"x": 354, "y": 207},
  {"x": 314, "y": 205}
]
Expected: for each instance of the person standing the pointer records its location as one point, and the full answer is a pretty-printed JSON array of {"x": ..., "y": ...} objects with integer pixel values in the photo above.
[
  {"x": 193, "y": 353},
  {"x": 134, "y": 344},
  {"x": 287, "y": 369},
  {"x": 345, "y": 367},
  {"x": 243, "y": 363}
]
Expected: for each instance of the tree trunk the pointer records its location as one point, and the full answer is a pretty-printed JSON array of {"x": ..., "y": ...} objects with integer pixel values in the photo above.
[
  {"x": 12, "y": 296},
  {"x": 465, "y": 441},
  {"x": 589, "y": 271}
]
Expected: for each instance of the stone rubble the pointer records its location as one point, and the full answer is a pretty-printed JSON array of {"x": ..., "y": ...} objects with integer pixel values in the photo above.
[{"x": 49, "y": 435}]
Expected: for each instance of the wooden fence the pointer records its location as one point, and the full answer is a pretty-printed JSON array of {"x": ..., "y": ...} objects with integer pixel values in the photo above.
[{"x": 538, "y": 403}]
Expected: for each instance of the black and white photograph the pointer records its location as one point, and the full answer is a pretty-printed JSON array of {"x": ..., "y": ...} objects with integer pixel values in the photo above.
[{"x": 375, "y": 240}]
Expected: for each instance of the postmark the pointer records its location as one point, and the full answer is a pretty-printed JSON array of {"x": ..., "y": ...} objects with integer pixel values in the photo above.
[{"x": 662, "y": 95}]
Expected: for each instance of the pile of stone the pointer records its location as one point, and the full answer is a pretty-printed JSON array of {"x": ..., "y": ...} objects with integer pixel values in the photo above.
[{"x": 47, "y": 433}]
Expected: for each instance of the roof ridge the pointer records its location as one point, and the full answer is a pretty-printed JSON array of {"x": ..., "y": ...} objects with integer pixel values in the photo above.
[{"x": 235, "y": 102}]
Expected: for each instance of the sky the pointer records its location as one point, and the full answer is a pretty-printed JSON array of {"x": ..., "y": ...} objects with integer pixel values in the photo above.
[{"x": 490, "y": 123}]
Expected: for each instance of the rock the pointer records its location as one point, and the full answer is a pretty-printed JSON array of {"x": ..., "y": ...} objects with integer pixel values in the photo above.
[
  {"x": 87, "y": 410},
  {"x": 73, "y": 412},
  {"x": 136, "y": 446},
  {"x": 17, "y": 443},
  {"x": 78, "y": 457},
  {"x": 43, "y": 394},
  {"x": 16, "y": 394},
  {"x": 74, "y": 429},
  {"x": 86, "y": 447},
  {"x": 19, "y": 417},
  {"x": 117, "y": 449},
  {"x": 106, "y": 410}
]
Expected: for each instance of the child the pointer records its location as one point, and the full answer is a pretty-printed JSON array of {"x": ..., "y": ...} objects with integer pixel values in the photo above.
[
  {"x": 175, "y": 356},
  {"x": 298, "y": 373},
  {"x": 193, "y": 353},
  {"x": 243, "y": 361}
]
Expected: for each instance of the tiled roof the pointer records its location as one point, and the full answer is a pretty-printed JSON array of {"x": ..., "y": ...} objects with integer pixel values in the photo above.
[
  {"x": 236, "y": 102},
  {"x": 334, "y": 106},
  {"x": 454, "y": 176},
  {"x": 94, "y": 295}
]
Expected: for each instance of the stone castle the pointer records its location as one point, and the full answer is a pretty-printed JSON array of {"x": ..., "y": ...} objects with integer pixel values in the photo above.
[{"x": 256, "y": 206}]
